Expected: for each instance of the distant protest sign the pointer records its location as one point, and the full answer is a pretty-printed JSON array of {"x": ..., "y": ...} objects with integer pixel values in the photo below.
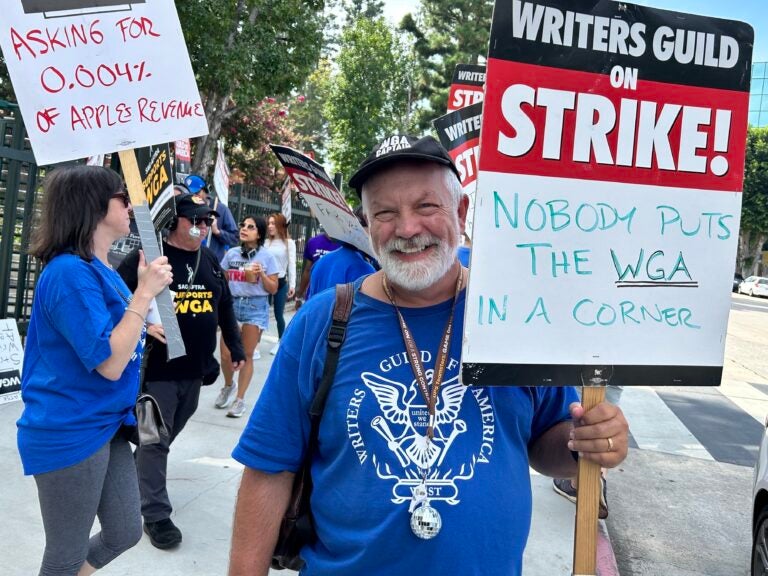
[
  {"x": 182, "y": 154},
  {"x": 95, "y": 76},
  {"x": 459, "y": 133},
  {"x": 323, "y": 198},
  {"x": 221, "y": 176},
  {"x": 11, "y": 359},
  {"x": 609, "y": 194},
  {"x": 466, "y": 86}
]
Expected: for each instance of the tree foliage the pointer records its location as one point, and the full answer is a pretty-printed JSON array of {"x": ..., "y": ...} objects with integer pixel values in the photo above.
[
  {"x": 245, "y": 50},
  {"x": 446, "y": 33},
  {"x": 247, "y": 137},
  {"x": 754, "y": 203},
  {"x": 370, "y": 94}
]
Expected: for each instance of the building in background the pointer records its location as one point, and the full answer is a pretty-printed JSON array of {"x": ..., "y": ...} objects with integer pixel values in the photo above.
[{"x": 758, "y": 95}]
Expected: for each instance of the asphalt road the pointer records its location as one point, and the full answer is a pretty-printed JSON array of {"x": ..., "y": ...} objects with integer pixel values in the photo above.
[{"x": 680, "y": 505}]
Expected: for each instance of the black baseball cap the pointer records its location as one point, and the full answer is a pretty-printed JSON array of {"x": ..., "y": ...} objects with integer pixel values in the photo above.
[
  {"x": 193, "y": 207},
  {"x": 400, "y": 147}
]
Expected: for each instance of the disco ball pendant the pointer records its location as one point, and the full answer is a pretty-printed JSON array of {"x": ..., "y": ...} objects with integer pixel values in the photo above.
[{"x": 426, "y": 522}]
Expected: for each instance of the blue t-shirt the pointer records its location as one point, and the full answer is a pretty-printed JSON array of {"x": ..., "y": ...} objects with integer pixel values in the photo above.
[
  {"x": 462, "y": 253},
  {"x": 371, "y": 446},
  {"x": 233, "y": 264},
  {"x": 70, "y": 410},
  {"x": 338, "y": 267}
]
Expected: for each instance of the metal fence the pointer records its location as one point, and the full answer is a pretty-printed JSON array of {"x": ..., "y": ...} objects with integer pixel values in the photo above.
[
  {"x": 19, "y": 179},
  {"x": 245, "y": 200}
]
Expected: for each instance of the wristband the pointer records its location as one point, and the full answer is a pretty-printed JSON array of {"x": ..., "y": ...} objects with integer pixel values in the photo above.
[{"x": 139, "y": 314}]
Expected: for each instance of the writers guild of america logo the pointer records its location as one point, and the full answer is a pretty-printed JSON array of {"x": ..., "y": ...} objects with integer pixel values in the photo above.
[{"x": 402, "y": 422}]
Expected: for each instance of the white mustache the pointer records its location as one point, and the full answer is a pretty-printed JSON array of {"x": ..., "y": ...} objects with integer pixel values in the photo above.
[{"x": 409, "y": 245}]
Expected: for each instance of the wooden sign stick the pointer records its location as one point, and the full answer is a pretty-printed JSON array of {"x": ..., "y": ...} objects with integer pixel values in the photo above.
[
  {"x": 174, "y": 341},
  {"x": 595, "y": 379}
]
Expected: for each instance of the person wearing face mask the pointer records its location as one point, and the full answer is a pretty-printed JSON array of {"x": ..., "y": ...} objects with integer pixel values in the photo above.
[
  {"x": 223, "y": 232},
  {"x": 252, "y": 272},
  {"x": 202, "y": 302}
]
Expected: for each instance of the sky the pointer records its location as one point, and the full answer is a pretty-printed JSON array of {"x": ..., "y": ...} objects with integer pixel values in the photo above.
[{"x": 754, "y": 12}]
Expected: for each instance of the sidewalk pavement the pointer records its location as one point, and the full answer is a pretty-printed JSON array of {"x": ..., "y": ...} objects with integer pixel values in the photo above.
[{"x": 203, "y": 482}]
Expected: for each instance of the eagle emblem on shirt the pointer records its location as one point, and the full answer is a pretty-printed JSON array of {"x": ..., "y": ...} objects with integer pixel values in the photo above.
[{"x": 405, "y": 418}]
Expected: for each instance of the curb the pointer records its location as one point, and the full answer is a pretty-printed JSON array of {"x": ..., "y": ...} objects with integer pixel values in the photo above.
[{"x": 606, "y": 559}]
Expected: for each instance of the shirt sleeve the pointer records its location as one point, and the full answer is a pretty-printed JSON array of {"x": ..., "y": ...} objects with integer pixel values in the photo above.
[
  {"x": 228, "y": 227},
  {"x": 551, "y": 407},
  {"x": 276, "y": 436},
  {"x": 291, "y": 264},
  {"x": 81, "y": 316},
  {"x": 270, "y": 263}
]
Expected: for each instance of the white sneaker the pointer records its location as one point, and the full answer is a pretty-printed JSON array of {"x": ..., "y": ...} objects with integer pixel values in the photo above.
[
  {"x": 237, "y": 410},
  {"x": 256, "y": 355},
  {"x": 226, "y": 395},
  {"x": 274, "y": 348}
]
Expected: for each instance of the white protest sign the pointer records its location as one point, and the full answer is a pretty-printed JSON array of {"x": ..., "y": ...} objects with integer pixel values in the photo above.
[
  {"x": 609, "y": 194},
  {"x": 11, "y": 359},
  {"x": 91, "y": 80},
  {"x": 285, "y": 197},
  {"x": 325, "y": 201},
  {"x": 221, "y": 176}
]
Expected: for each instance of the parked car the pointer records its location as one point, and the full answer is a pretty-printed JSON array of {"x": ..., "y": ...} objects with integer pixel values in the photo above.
[
  {"x": 760, "y": 510},
  {"x": 754, "y": 286},
  {"x": 737, "y": 279}
]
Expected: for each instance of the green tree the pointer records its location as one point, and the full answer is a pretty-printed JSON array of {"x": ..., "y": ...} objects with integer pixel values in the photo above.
[
  {"x": 6, "y": 89},
  {"x": 370, "y": 94},
  {"x": 310, "y": 121},
  {"x": 445, "y": 33},
  {"x": 247, "y": 137},
  {"x": 355, "y": 9},
  {"x": 245, "y": 50},
  {"x": 754, "y": 204}
]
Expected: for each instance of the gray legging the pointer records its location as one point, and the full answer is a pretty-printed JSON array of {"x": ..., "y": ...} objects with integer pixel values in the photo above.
[{"x": 70, "y": 499}]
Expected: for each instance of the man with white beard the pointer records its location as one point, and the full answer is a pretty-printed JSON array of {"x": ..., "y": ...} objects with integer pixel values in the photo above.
[{"x": 414, "y": 473}]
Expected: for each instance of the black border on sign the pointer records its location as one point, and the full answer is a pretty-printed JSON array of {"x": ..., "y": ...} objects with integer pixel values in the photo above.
[
  {"x": 475, "y": 374},
  {"x": 504, "y": 46},
  {"x": 39, "y": 6}
]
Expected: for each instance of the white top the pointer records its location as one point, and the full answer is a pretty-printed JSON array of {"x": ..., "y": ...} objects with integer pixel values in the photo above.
[{"x": 285, "y": 255}]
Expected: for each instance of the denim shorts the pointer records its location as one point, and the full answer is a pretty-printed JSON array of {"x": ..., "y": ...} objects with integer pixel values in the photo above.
[{"x": 252, "y": 310}]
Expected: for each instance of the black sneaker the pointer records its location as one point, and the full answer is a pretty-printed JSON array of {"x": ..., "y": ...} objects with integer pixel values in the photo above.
[
  {"x": 564, "y": 487},
  {"x": 163, "y": 534}
]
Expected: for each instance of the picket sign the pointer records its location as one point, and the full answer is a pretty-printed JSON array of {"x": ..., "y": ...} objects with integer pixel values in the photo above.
[
  {"x": 611, "y": 167},
  {"x": 89, "y": 81}
]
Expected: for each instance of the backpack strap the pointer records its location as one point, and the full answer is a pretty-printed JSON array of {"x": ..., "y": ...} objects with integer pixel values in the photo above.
[{"x": 342, "y": 309}]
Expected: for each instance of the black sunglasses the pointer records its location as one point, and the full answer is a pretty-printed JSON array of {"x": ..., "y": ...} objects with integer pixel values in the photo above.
[
  {"x": 248, "y": 226},
  {"x": 123, "y": 195}
]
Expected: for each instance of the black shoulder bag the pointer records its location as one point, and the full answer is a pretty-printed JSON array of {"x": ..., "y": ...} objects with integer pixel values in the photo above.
[{"x": 297, "y": 527}]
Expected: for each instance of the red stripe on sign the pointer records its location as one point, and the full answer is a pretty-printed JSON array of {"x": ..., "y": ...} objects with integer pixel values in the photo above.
[
  {"x": 463, "y": 95},
  {"x": 308, "y": 184},
  {"x": 466, "y": 159},
  {"x": 554, "y": 122}
]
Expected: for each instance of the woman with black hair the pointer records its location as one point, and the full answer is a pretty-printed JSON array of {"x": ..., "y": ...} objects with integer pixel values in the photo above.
[
  {"x": 80, "y": 376},
  {"x": 252, "y": 273}
]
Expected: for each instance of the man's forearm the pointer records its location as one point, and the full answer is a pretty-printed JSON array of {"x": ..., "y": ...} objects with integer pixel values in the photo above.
[
  {"x": 301, "y": 292},
  {"x": 549, "y": 454},
  {"x": 261, "y": 503}
]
